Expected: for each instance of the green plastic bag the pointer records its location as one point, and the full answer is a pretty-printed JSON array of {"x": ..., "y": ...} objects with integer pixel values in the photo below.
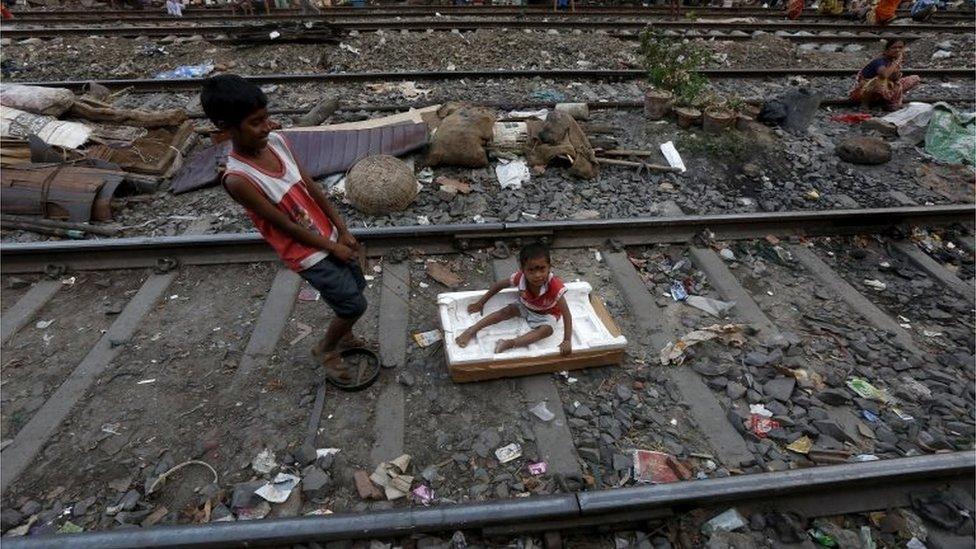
[{"x": 951, "y": 136}]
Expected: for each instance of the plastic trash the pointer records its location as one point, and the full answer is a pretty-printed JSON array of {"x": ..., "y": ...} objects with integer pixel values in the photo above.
[
  {"x": 729, "y": 520},
  {"x": 801, "y": 445},
  {"x": 866, "y": 390},
  {"x": 538, "y": 468},
  {"x": 428, "y": 338},
  {"x": 672, "y": 156},
  {"x": 822, "y": 538},
  {"x": 264, "y": 462},
  {"x": 186, "y": 71},
  {"x": 914, "y": 543},
  {"x": 867, "y": 540},
  {"x": 761, "y": 426},
  {"x": 542, "y": 412},
  {"x": 678, "y": 292},
  {"x": 711, "y": 306},
  {"x": 423, "y": 494},
  {"x": 654, "y": 467},
  {"x": 509, "y": 452},
  {"x": 278, "y": 490},
  {"x": 511, "y": 175},
  {"x": 875, "y": 284}
]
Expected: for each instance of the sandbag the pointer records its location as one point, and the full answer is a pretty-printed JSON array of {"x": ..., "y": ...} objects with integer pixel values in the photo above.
[
  {"x": 561, "y": 137},
  {"x": 864, "y": 150},
  {"x": 461, "y": 136},
  {"x": 36, "y": 99}
]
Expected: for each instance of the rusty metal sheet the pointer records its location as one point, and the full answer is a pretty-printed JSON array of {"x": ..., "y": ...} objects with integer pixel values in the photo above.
[
  {"x": 319, "y": 152},
  {"x": 76, "y": 193}
]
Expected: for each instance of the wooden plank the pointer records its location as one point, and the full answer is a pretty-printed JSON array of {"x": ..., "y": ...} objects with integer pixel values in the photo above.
[
  {"x": 728, "y": 286},
  {"x": 35, "y": 434},
  {"x": 725, "y": 441},
  {"x": 394, "y": 317},
  {"x": 496, "y": 369},
  {"x": 553, "y": 439},
  {"x": 271, "y": 322},
  {"x": 935, "y": 269},
  {"x": 858, "y": 303},
  {"x": 22, "y": 312}
]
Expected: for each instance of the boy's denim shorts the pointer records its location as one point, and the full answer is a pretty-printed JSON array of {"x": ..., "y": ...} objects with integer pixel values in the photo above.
[{"x": 341, "y": 285}]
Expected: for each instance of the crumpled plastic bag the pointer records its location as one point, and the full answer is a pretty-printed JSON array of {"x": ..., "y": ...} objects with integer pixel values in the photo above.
[
  {"x": 729, "y": 334},
  {"x": 951, "y": 135}
]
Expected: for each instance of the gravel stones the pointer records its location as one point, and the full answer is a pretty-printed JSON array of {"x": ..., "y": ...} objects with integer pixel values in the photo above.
[
  {"x": 735, "y": 390},
  {"x": 486, "y": 442},
  {"x": 780, "y": 388},
  {"x": 834, "y": 397}
]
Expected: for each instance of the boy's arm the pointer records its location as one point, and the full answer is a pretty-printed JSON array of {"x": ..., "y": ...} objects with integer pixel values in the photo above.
[
  {"x": 498, "y": 286},
  {"x": 345, "y": 237},
  {"x": 566, "y": 347},
  {"x": 249, "y": 197}
]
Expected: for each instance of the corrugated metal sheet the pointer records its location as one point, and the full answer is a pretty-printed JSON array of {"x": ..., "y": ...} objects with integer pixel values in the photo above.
[{"x": 319, "y": 152}]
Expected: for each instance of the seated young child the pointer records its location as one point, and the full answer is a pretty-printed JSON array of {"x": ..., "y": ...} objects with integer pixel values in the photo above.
[{"x": 540, "y": 299}]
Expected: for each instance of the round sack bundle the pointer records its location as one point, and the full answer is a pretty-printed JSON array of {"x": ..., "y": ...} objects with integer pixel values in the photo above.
[{"x": 380, "y": 184}]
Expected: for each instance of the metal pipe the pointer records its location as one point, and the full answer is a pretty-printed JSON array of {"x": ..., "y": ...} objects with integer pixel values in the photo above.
[
  {"x": 396, "y": 523},
  {"x": 146, "y": 84}
]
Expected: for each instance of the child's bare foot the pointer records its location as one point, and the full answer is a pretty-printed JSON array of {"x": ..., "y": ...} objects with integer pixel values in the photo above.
[
  {"x": 504, "y": 345},
  {"x": 334, "y": 367},
  {"x": 351, "y": 341},
  {"x": 463, "y": 339}
]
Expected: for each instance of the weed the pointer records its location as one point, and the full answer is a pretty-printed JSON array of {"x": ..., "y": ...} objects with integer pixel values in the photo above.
[
  {"x": 672, "y": 65},
  {"x": 729, "y": 145}
]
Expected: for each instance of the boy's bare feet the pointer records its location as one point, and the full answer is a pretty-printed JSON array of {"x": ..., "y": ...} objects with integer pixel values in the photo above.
[
  {"x": 334, "y": 367},
  {"x": 463, "y": 339},
  {"x": 504, "y": 345}
]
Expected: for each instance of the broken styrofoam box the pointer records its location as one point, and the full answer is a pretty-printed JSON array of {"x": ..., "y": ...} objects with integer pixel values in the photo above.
[{"x": 590, "y": 332}]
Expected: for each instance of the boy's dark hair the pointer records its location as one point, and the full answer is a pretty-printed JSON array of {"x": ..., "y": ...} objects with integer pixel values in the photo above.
[
  {"x": 534, "y": 250},
  {"x": 228, "y": 99}
]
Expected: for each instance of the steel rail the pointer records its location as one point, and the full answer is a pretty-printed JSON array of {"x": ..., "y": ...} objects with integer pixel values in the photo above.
[
  {"x": 131, "y": 31},
  {"x": 138, "y": 252},
  {"x": 448, "y": 11},
  {"x": 150, "y": 84},
  {"x": 901, "y": 476}
]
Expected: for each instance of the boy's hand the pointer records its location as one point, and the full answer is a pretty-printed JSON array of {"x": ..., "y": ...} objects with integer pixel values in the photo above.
[
  {"x": 476, "y": 307},
  {"x": 347, "y": 239},
  {"x": 566, "y": 348},
  {"x": 343, "y": 252}
]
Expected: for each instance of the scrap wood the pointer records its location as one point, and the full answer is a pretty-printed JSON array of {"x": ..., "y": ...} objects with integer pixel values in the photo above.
[
  {"x": 644, "y": 165},
  {"x": 96, "y": 111},
  {"x": 443, "y": 274},
  {"x": 36, "y": 224},
  {"x": 730, "y": 334},
  {"x": 77, "y": 193}
]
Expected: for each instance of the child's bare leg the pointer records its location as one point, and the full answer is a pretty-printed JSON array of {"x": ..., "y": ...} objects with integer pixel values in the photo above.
[
  {"x": 524, "y": 340},
  {"x": 338, "y": 329},
  {"x": 501, "y": 315}
]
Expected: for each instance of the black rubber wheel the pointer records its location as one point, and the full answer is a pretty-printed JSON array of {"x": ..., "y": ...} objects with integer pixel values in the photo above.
[{"x": 364, "y": 366}]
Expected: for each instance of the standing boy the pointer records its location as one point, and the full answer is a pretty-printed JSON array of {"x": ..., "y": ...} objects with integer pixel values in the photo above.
[{"x": 289, "y": 210}]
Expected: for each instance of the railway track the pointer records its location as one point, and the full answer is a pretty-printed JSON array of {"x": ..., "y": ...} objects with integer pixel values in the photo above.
[
  {"x": 149, "y": 84},
  {"x": 702, "y": 27},
  {"x": 168, "y": 327},
  {"x": 411, "y": 11}
]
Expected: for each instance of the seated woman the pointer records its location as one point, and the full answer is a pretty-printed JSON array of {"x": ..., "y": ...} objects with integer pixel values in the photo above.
[{"x": 881, "y": 81}]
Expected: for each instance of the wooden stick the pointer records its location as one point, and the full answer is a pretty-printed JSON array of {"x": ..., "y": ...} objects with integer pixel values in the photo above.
[
  {"x": 625, "y": 152},
  {"x": 652, "y": 167},
  {"x": 32, "y": 224}
]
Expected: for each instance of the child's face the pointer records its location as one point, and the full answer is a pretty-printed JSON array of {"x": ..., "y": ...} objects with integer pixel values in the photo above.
[
  {"x": 536, "y": 271},
  {"x": 252, "y": 132}
]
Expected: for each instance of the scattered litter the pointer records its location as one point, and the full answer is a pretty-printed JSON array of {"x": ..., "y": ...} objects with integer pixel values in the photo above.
[
  {"x": 423, "y": 285},
  {"x": 443, "y": 274},
  {"x": 509, "y": 452},
  {"x": 930, "y": 333},
  {"x": 867, "y": 540},
  {"x": 68, "y": 281},
  {"x": 187, "y": 71},
  {"x": 569, "y": 379},
  {"x": 671, "y": 154},
  {"x": 868, "y": 415},
  {"x": 761, "y": 426},
  {"x": 728, "y": 334},
  {"x": 902, "y": 415},
  {"x": 423, "y": 494},
  {"x": 678, "y": 291},
  {"x": 43, "y": 324},
  {"x": 538, "y": 468},
  {"x": 462, "y": 187},
  {"x": 542, "y": 412},
  {"x": 303, "y": 331},
  {"x": 801, "y": 445},
  {"x": 866, "y": 390},
  {"x": 423, "y": 220},
  {"x": 70, "y": 528},
  {"x": 348, "y": 48},
  {"x": 821, "y": 537},
  {"x": 727, "y": 254},
  {"x": 851, "y": 118},
  {"x": 512, "y": 174},
  {"x": 729, "y": 520},
  {"x": 759, "y": 410},
  {"x": 146, "y": 381},
  {"x": 914, "y": 543},
  {"x": 264, "y": 462},
  {"x": 865, "y": 457},
  {"x": 711, "y": 306},
  {"x": 426, "y": 339},
  {"x": 278, "y": 490},
  {"x": 875, "y": 284},
  {"x": 408, "y": 90},
  {"x": 540, "y": 113},
  {"x": 657, "y": 468},
  {"x": 308, "y": 293},
  {"x": 391, "y": 476},
  {"x": 274, "y": 34}
]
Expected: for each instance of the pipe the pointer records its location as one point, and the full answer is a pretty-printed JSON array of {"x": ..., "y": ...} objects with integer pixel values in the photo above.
[{"x": 396, "y": 523}]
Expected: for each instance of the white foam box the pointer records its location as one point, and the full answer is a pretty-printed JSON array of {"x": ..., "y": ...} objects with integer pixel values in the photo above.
[{"x": 597, "y": 340}]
